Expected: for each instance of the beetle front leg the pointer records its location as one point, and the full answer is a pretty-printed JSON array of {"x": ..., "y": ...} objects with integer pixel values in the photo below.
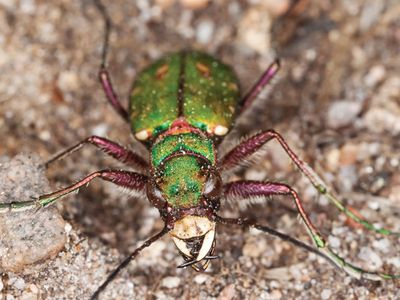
[
  {"x": 254, "y": 143},
  {"x": 246, "y": 189},
  {"x": 259, "y": 86},
  {"x": 130, "y": 180},
  {"x": 112, "y": 97},
  {"x": 104, "y": 76},
  {"x": 109, "y": 147}
]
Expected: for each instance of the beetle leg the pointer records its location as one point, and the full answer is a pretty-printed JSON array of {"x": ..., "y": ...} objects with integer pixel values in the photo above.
[
  {"x": 130, "y": 180},
  {"x": 258, "y": 87},
  {"x": 112, "y": 97},
  {"x": 128, "y": 259},
  {"x": 109, "y": 147},
  {"x": 246, "y": 189},
  {"x": 254, "y": 143},
  {"x": 103, "y": 73}
]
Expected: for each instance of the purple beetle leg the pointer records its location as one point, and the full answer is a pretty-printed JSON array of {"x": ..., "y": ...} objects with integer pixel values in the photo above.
[
  {"x": 111, "y": 148},
  {"x": 130, "y": 180},
  {"x": 128, "y": 259},
  {"x": 111, "y": 95},
  {"x": 257, "y": 88},
  {"x": 248, "y": 189},
  {"x": 248, "y": 147},
  {"x": 103, "y": 73},
  {"x": 254, "y": 143}
]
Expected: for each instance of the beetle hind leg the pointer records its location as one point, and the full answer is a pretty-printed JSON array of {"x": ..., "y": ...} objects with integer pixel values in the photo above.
[
  {"x": 107, "y": 146},
  {"x": 241, "y": 152},
  {"x": 246, "y": 189}
]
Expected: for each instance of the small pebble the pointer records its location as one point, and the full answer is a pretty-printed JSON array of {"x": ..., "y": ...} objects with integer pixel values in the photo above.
[
  {"x": 348, "y": 177},
  {"x": 379, "y": 120},
  {"x": 333, "y": 241},
  {"x": 227, "y": 293},
  {"x": 67, "y": 228},
  {"x": 395, "y": 261},
  {"x": 332, "y": 159},
  {"x": 275, "y": 295},
  {"x": 254, "y": 30},
  {"x": 204, "y": 32},
  {"x": 276, "y": 8},
  {"x": 347, "y": 280},
  {"x": 201, "y": 278},
  {"x": 370, "y": 13},
  {"x": 370, "y": 256},
  {"x": 44, "y": 135},
  {"x": 19, "y": 283},
  {"x": 348, "y": 154},
  {"x": 68, "y": 80},
  {"x": 254, "y": 247},
  {"x": 27, "y": 6},
  {"x": 275, "y": 284},
  {"x": 383, "y": 245},
  {"x": 326, "y": 294},
  {"x": 343, "y": 113},
  {"x": 171, "y": 282},
  {"x": 10, "y": 297},
  {"x": 100, "y": 130},
  {"x": 28, "y": 296},
  {"x": 373, "y": 205},
  {"x": 33, "y": 288},
  {"x": 194, "y": 4},
  {"x": 375, "y": 75}
]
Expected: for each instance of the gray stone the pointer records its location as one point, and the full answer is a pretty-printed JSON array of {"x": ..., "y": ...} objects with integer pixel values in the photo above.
[{"x": 29, "y": 236}]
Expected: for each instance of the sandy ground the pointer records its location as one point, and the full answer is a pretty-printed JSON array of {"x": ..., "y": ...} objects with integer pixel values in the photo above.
[{"x": 336, "y": 101}]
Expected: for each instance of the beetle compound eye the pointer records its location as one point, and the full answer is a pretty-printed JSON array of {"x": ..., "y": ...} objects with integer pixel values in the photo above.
[
  {"x": 155, "y": 196},
  {"x": 213, "y": 186}
]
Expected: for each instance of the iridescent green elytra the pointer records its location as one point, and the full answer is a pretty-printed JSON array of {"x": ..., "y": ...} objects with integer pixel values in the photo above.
[
  {"x": 200, "y": 94},
  {"x": 193, "y": 85}
]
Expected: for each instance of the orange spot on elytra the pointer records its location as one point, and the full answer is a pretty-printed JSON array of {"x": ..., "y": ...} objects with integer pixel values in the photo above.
[
  {"x": 203, "y": 69},
  {"x": 233, "y": 86},
  {"x": 162, "y": 71}
]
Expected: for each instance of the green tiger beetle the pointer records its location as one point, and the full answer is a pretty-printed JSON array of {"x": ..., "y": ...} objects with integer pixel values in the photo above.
[{"x": 180, "y": 108}]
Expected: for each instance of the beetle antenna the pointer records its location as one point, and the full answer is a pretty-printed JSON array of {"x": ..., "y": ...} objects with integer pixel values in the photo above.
[
  {"x": 128, "y": 259},
  {"x": 271, "y": 231}
]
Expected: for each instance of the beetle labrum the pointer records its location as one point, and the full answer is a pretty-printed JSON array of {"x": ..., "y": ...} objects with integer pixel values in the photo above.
[{"x": 180, "y": 108}]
